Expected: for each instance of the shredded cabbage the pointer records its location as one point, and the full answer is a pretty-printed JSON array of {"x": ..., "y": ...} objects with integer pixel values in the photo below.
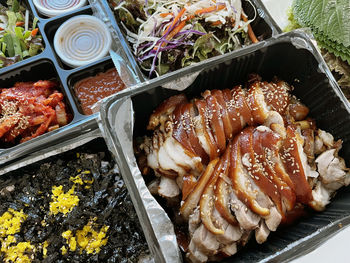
[{"x": 167, "y": 35}]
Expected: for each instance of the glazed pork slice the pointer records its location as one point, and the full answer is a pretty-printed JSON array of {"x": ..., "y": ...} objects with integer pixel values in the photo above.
[
  {"x": 164, "y": 110},
  {"x": 215, "y": 120}
]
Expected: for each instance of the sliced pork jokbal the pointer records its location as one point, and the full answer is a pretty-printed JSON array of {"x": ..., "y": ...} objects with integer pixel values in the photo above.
[{"x": 240, "y": 161}]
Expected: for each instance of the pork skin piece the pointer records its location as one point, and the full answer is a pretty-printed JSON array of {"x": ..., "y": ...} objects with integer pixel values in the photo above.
[
  {"x": 216, "y": 124},
  {"x": 259, "y": 182},
  {"x": 164, "y": 110},
  {"x": 218, "y": 94},
  {"x": 222, "y": 199},
  {"x": 183, "y": 158},
  {"x": 253, "y": 149},
  {"x": 266, "y": 145},
  {"x": 241, "y": 182},
  {"x": 208, "y": 198},
  {"x": 245, "y": 111},
  {"x": 297, "y": 110},
  {"x": 233, "y": 106},
  {"x": 276, "y": 95},
  {"x": 204, "y": 129},
  {"x": 194, "y": 197},
  {"x": 291, "y": 156},
  {"x": 188, "y": 115},
  {"x": 180, "y": 128},
  {"x": 188, "y": 184},
  {"x": 257, "y": 103}
]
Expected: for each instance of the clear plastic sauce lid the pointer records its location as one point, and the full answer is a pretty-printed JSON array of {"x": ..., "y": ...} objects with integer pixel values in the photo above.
[
  {"x": 81, "y": 40},
  {"x": 52, "y": 8}
]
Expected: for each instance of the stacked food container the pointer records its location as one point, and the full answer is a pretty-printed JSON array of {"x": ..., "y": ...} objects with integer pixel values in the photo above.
[{"x": 90, "y": 160}]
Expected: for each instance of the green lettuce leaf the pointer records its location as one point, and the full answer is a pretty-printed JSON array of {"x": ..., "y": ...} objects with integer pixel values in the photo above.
[{"x": 330, "y": 17}]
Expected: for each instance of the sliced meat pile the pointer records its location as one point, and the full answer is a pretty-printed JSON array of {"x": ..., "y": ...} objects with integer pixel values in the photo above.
[{"x": 239, "y": 162}]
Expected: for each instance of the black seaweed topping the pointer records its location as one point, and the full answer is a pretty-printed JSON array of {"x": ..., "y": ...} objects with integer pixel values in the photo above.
[{"x": 107, "y": 200}]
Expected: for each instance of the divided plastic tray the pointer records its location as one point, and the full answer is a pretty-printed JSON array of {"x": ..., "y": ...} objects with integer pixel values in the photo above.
[
  {"x": 48, "y": 65},
  {"x": 293, "y": 58}
]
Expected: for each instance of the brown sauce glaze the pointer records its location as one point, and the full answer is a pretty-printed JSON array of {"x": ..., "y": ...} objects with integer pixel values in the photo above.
[{"x": 93, "y": 89}]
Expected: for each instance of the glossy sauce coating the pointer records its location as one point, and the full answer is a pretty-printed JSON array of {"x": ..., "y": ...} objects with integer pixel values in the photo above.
[{"x": 92, "y": 89}]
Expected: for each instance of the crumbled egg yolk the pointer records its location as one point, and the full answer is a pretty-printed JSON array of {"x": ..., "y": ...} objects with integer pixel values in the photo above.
[
  {"x": 77, "y": 179},
  {"x": 10, "y": 224},
  {"x": 45, "y": 245},
  {"x": 19, "y": 253},
  {"x": 63, "y": 202},
  {"x": 87, "y": 239},
  {"x": 63, "y": 250}
]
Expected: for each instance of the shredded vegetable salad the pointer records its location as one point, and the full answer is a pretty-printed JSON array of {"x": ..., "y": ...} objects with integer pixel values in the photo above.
[
  {"x": 168, "y": 35},
  {"x": 19, "y": 37}
]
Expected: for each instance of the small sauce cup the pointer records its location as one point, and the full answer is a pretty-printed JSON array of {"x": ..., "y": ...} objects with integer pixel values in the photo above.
[
  {"x": 82, "y": 40},
  {"x": 53, "y": 8}
]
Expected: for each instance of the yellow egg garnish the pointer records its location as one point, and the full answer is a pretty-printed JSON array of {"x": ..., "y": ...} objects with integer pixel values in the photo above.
[
  {"x": 87, "y": 239},
  {"x": 63, "y": 202}
]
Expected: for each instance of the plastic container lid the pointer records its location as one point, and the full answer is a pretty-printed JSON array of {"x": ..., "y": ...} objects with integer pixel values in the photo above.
[
  {"x": 82, "y": 40},
  {"x": 52, "y": 8}
]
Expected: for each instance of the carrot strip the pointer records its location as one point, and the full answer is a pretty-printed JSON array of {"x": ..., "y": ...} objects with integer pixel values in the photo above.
[
  {"x": 250, "y": 30},
  {"x": 179, "y": 15},
  {"x": 216, "y": 23},
  {"x": 176, "y": 30},
  {"x": 20, "y": 23},
  {"x": 34, "y": 32},
  {"x": 210, "y": 9},
  {"x": 165, "y": 14}
]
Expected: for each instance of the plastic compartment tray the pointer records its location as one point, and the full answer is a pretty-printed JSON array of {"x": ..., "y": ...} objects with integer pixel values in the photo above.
[
  {"x": 47, "y": 65},
  {"x": 263, "y": 25},
  {"x": 292, "y": 57}
]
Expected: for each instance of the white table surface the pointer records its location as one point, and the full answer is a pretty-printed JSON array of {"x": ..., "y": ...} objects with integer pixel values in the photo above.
[{"x": 335, "y": 249}]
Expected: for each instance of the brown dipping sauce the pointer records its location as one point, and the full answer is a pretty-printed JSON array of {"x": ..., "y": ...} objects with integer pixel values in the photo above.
[{"x": 93, "y": 89}]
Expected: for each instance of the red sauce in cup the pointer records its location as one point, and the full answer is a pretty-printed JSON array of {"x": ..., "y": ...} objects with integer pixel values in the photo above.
[{"x": 92, "y": 89}]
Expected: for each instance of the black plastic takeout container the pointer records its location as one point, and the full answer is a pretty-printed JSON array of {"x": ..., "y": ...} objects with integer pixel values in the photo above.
[
  {"x": 293, "y": 58},
  {"x": 263, "y": 25}
]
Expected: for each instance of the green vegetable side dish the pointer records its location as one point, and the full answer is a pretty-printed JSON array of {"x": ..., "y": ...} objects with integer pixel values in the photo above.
[
  {"x": 168, "y": 35},
  {"x": 19, "y": 38},
  {"x": 329, "y": 21}
]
